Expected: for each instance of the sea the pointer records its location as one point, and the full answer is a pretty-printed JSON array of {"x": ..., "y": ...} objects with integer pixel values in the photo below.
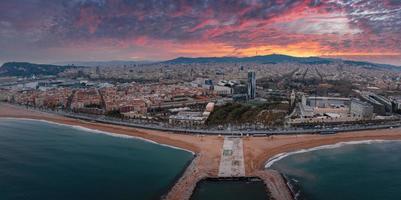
[
  {"x": 41, "y": 160},
  {"x": 367, "y": 170}
]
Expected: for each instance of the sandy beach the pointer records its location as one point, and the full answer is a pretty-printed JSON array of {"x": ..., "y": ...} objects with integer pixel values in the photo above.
[{"x": 257, "y": 150}]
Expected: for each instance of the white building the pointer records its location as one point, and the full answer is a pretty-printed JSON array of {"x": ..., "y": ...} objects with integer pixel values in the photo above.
[
  {"x": 223, "y": 90},
  {"x": 360, "y": 109}
]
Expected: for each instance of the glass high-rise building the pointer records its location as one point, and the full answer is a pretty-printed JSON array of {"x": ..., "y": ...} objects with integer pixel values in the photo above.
[{"x": 251, "y": 84}]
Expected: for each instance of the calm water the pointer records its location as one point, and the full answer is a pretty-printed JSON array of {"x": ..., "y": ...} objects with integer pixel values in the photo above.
[
  {"x": 230, "y": 190},
  {"x": 351, "y": 172},
  {"x": 43, "y": 161}
]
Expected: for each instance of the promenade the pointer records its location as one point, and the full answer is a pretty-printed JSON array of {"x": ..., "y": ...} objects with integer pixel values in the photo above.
[
  {"x": 250, "y": 132},
  {"x": 232, "y": 158}
]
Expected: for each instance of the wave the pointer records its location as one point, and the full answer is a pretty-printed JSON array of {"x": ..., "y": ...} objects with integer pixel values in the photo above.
[
  {"x": 280, "y": 156},
  {"x": 81, "y": 128}
]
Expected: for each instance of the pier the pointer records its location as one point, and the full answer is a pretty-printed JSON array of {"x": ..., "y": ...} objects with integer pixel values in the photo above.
[
  {"x": 184, "y": 187},
  {"x": 232, "y": 165},
  {"x": 232, "y": 158}
]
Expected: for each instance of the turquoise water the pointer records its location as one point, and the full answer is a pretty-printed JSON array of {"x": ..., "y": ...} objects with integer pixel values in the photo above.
[
  {"x": 230, "y": 190},
  {"x": 350, "y": 172},
  {"x": 43, "y": 161}
]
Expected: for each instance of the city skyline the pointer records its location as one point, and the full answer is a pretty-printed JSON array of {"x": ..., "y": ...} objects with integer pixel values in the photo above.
[{"x": 92, "y": 30}]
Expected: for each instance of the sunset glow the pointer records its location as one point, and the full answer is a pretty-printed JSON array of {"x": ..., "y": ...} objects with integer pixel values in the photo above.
[{"x": 156, "y": 30}]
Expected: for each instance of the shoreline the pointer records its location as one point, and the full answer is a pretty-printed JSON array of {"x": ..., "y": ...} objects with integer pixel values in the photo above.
[
  {"x": 161, "y": 138},
  {"x": 111, "y": 134},
  {"x": 178, "y": 177},
  {"x": 283, "y": 155},
  {"x": 97, "y": 131},
  {"x": 257, "y": 150},
  {"x": 206, "y": 149}
]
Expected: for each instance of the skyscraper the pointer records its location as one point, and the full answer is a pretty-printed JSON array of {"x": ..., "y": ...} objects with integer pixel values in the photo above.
[
  {"x": 251, "y": 84},
  {"x": 292, "y": 98}
]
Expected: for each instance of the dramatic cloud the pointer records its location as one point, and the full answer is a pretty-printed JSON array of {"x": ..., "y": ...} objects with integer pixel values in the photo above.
[{"x": 59, "y": 30}]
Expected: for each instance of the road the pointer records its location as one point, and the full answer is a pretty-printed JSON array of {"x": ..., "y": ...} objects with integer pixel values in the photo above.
[{"x": 103, "y": 119}]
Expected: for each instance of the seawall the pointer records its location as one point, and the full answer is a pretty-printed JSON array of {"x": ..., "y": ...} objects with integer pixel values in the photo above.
[
  {"x": 276, "y": 184},
  {"x": 183, "y": 188}
]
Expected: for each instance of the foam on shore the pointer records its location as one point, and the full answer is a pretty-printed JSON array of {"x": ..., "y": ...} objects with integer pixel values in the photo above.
[
  {"x": 280, "y": 156},
  {"x": 81, "y": 128}
]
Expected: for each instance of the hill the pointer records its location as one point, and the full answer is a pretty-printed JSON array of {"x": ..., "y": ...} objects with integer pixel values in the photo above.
[
  {"x": 278, "y": 58},
  {"x": 271, "y": 59},
  {"x": 26, "y": 69},
  {"x": 104, "y": 63}
]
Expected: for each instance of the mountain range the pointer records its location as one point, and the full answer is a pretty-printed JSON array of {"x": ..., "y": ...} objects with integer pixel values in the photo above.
[
  {"x": 104, "y": 63},
  {"x": 29, "y": 69},
  {"x": 279, "y": 58},
  {"x": 25, "y": 69}
]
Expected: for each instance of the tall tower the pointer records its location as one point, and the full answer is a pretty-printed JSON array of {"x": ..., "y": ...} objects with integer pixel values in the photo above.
[
  {"x": 251, "y": 84},
  {"x": 303, "y": 100},
  {"x": 292, "y": 98}
]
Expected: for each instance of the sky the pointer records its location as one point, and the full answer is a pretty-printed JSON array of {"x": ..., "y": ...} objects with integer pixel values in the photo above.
[{"x": 49, "y": 31}]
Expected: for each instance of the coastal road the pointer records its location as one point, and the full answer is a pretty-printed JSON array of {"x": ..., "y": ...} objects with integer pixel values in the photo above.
[{"x": 259, "y": 133}]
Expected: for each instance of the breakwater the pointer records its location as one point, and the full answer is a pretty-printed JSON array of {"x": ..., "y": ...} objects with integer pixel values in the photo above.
[{"x": 235, "y": 188}]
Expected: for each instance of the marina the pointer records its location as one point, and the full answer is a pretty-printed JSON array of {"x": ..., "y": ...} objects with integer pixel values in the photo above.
[{"x": 231, "y": 188}]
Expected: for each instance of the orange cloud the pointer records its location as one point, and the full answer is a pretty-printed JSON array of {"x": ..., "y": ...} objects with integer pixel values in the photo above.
[{"x": 301, "y": 49}]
